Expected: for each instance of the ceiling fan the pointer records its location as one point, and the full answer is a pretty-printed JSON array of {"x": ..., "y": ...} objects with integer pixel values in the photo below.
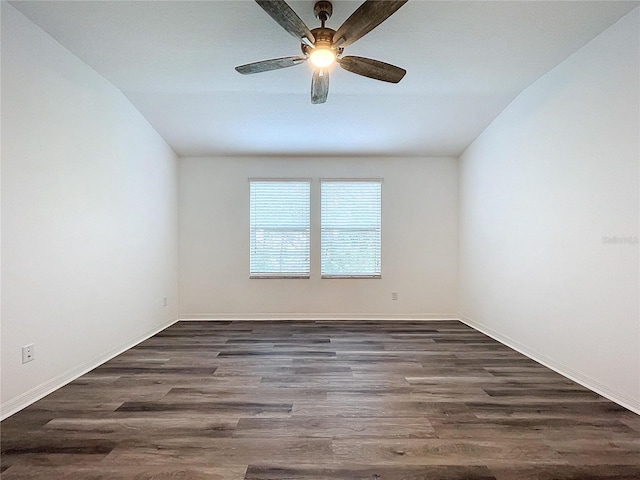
[{"x": 324, "y": 46}]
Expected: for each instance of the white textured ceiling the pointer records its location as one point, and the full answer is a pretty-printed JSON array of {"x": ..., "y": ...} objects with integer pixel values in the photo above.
[{"x": 466, "y": 60}]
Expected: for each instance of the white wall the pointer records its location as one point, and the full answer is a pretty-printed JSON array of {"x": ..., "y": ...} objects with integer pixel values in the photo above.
[
  {"x": 542, "y": 191},
  {"x": 419, "y": 241},
  {"x": 89, "y": 217}
]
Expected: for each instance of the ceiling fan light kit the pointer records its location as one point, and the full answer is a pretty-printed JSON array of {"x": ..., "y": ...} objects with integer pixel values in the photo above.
[
  {"x": 322, "y": 57},
  {"x": 324, "y": 46}
]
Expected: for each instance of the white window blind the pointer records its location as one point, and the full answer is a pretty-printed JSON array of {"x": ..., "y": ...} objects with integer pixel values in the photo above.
[
  {"x": 279, "y": 228},
  {"x": 351, "y": 228}
]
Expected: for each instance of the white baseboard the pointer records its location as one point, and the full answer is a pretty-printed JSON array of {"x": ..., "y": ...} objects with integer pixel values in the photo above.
[
  {"x": 314, "y": 316},
  {"x": 592, "y": 384},
  {"x": 24, "y": 400}
]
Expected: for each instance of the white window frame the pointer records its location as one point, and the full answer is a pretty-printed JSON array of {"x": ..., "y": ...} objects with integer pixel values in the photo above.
[
  {"x": 252, "y": 231},
  {"x": 325, "y": 230}
]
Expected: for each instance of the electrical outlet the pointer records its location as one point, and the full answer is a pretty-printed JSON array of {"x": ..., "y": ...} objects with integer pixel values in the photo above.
[
  {"x": 165, "y": 301},
  {"x": 27, "y": 353},
  {"x": 394, "y": 295}
]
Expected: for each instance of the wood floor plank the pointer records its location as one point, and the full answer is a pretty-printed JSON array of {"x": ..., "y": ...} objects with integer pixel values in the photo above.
[
  {"x": 20, "y": 472},
  {"x": 319, "y": 400},
  {"x": 334, "y": 427},
  {"x": 448, "y": 472},
  {"x": 567, "y": 472},
  {"x": 223, "y": 452},
  {"x": 444, "y": 452}
]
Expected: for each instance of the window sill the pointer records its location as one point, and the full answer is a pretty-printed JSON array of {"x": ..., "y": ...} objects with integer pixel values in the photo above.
[
  {"x": 272, "y": 276},
  {"x": 352, "y": 276}
]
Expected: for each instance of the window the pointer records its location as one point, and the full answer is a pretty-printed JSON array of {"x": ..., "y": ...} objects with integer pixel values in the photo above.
[
  {"x": 351, "y": 228},
  {"x": 279, "y": 228}
]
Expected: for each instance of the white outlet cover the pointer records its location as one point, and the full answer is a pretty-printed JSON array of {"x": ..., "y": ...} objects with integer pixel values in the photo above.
[{"x": 27, "y": 353}]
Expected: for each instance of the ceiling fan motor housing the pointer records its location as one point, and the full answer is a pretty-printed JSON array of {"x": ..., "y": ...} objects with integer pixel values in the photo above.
[{"x": 324, "y": 39}]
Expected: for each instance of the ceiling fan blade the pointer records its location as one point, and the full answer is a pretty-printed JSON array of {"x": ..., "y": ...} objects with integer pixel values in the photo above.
[
  {"x": 282, "y": 13},
  {"x": 267, "y": 65},
  {"x": 372, "y": 68},
  {"x": 367, "y": 17},
  {"x": 319, "y": 86}
]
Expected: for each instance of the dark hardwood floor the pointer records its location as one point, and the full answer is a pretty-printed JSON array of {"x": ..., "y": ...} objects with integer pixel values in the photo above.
[{"x": 321, "y": 400}]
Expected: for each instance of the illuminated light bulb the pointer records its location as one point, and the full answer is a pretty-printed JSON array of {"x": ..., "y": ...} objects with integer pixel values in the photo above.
[{"x": 322, "y": 57}]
